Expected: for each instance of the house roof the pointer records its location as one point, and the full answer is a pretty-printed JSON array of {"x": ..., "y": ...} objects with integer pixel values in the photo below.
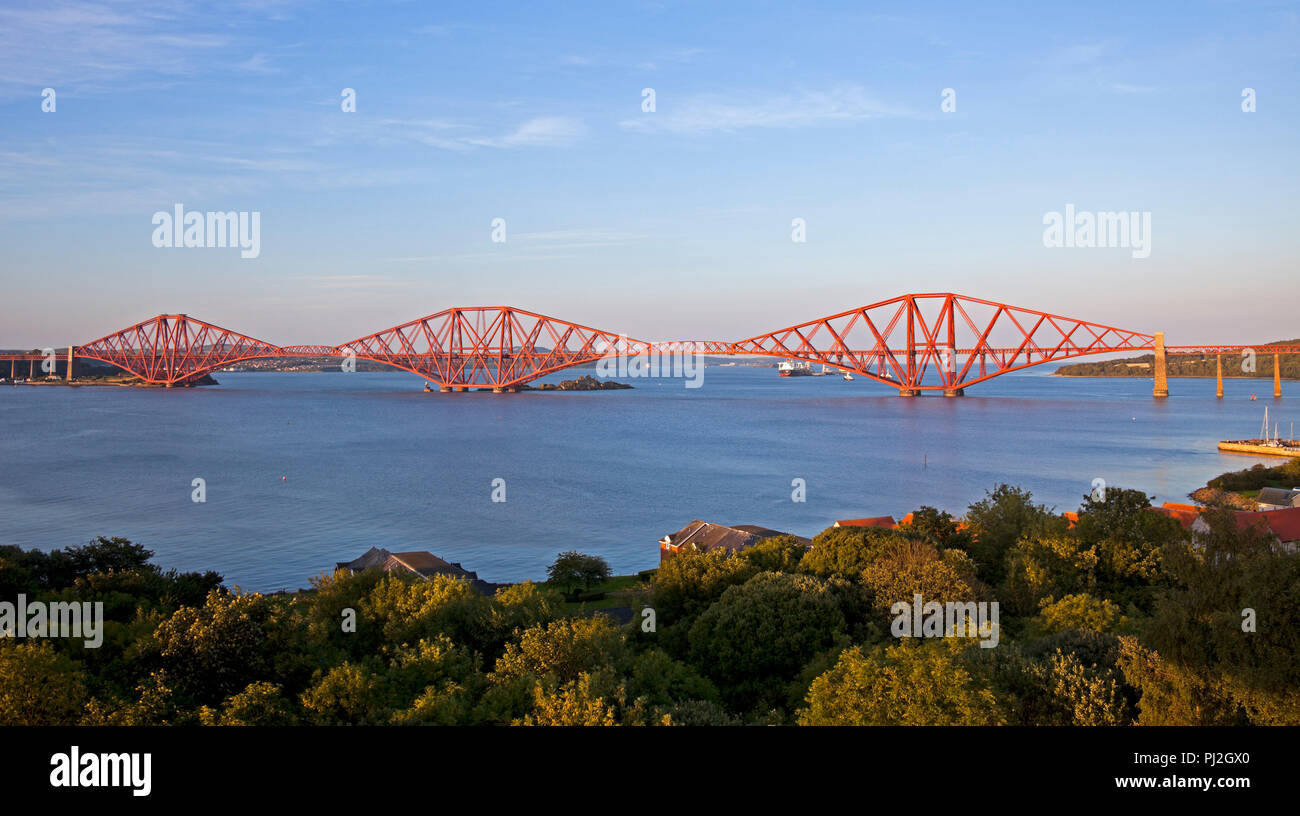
[
  {"x": 425, "y": 563},
  {"x": 1285, "y": 524},
  {"x": 418, "y": 561},
  {"x": 1184, "y": 514},
  {"x": 768, "y": 532},
  {"x": 1277, "y": 495},
  {"x": 876, "y": 521},
  {"x": 705, "y": 535}
]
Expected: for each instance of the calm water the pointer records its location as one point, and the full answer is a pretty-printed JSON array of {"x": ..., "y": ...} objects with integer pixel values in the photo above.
[{"x": 304, "y": 470}]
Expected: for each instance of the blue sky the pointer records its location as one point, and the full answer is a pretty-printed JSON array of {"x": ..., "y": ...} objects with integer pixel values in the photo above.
[{"x": 675, "y": 223}]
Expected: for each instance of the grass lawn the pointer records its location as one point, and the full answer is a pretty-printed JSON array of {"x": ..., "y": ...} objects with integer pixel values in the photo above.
[{"x": 620, "y": 590}]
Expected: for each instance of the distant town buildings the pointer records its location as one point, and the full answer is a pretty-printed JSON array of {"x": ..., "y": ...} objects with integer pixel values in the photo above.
[{"x": 1278, "y": 515}]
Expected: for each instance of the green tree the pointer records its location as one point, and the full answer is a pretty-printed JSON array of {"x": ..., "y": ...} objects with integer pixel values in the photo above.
[
  {"x": 775, "y": 554},
  {"x": 754, "y": 640},
  {"x": 1003, "y": 517},
  {"x": 1230, "y": 618},
  {"x": 1051, "y": 565},
  {"x": 847, "y": 551},
  {"x": 1174, "y": 695},
  {"x": 260, "y": 703},
  {"x": 347, "y": 694},
  {"x": 403, "y": 609},
  {"x": 39, "y": 686},
  {"x": 591, "y": 698},
  {"x": 564, "y": 648},
  {"x": 218, "y": 649},
  {"x": 938, "y": 528},
  {"x": 906, "y": 568},
  {"x": 572, "y": 568},
  {"x": 1129, "y": 539},
  {"x": 1081, "y": 611},
  {"x": 909, "y": 683},
  {"x": 686, "y": 583}
]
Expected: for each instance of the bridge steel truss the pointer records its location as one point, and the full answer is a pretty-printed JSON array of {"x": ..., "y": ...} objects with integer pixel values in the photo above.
[
  {"x": 915, "y": 343},
  {"x": 959, "y": 340}
]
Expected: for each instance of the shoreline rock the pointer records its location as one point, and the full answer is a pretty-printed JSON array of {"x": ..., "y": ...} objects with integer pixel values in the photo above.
[{"x": 583, "y": 383}]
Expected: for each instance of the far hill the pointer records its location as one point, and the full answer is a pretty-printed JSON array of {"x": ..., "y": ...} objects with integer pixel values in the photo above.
[{"x": 1189, "y": 365}]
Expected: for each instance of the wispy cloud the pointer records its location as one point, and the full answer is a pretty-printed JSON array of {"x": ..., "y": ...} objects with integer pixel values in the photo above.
[
  {"x": 257, "y": 64},
  {"x": 53, "y": 44},
  {"x": 704, "y": 113},
  {"x": 545, "y": 131}
]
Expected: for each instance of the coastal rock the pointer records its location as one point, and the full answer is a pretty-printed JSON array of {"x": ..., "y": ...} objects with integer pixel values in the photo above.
[{"x": 583, "y": 383}]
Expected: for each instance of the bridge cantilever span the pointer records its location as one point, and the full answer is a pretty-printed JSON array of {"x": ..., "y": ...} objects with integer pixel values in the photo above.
[
  {"x": 914, "y": 343},
  {"x": 174, "y": 349},
  {"x": 941, "y": 341}
]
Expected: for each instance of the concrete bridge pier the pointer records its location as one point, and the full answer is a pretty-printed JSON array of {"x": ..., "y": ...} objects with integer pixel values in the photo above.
[
  {"x": 909, "y": 392},
  {"x": 1160, "y": 389},
  {"x": 1277, "y": 376},
  {"x": 462, "y": 388},
  {"x": 1218, "y": 376},
  {"x": 444, "y": 389},
  {"x": 954, "y": 392},
  {"x": 508, "y": 389}
]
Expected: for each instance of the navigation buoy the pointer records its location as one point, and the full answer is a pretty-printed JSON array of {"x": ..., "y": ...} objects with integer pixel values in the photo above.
[{"x": 284, "y": 478}]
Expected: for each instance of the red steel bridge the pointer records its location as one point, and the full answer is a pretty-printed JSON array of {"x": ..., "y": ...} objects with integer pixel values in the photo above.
[{"x": 939, "y": 342}]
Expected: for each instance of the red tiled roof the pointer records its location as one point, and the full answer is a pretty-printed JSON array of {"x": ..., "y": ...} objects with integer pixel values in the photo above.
[
  {"x": 1285, "y": 523},
  {"x": 1184, "y": 514},
  {"x": 877, "y": 521}
]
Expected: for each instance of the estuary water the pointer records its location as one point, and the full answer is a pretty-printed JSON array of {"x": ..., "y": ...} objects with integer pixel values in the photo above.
[{"x": 301, "y": 470}]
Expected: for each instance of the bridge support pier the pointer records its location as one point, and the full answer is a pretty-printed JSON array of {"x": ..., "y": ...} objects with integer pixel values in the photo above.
[
  {"x": 444, "y": 389},
  {"x": 909, "y": 392},
  {"x": 72, "y": 362},
  {"x": 1160, "y": 389},
  {"x": 1277, "y": 376},
  {"x": 1218, "y": 376},
  {"x": 509, "y": 389},
  {"x": 462, "y": 388},
  {"x": 954, "y": 392}
]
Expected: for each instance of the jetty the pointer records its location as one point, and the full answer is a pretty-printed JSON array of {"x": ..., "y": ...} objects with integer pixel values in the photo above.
[{"x": 1265, "y": 446}]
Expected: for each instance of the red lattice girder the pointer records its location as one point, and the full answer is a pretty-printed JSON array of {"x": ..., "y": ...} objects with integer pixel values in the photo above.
[
  {"x": 917, "y": 341},
  {"x": 496, "y": 346},
  {"x": 940, "y": 341},
  {"x": 175, "y": 349}
]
